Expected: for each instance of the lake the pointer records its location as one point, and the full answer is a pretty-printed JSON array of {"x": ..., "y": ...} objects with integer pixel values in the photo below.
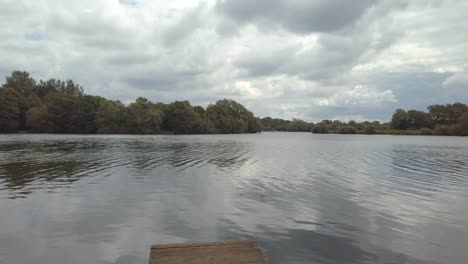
[{"x": 304, "y": 198}]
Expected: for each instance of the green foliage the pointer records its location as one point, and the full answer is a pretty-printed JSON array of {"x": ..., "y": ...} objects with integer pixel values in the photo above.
[
  {"x": 60, "y": 108},
  {"x": 24, "y": 86},
  {"x": 443, "y": 130},
  {"x": 57, "y": 106},
  {"x": 9, "y": 111},
  {"x": 229, "y": 116},
  {"x": 463, "y": 122},
  {"x": 369, "y": 130},
  {"x": 400, "y": 119},
  {"x": 109, "y": 117},
  {"x": 296, "y": 125},
  {"x": 38, "y": 119},
  {"x": 447, "y": 114},
  {"x": 181, "y": 118},
  {"x": 320, "y": 128},
  {"x": 418, "y": 119},
  {"x": 347, "y": 130},
  {"x": 426, "y": 131},
  {"x": 142, "y": 117}
]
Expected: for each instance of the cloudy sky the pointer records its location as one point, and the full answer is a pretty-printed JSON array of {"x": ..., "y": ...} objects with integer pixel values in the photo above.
[{"x": 309, "y": 59}]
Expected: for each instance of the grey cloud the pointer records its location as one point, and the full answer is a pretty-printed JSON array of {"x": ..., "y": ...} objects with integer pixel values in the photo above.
[
  {"x": 417, "y": 90},
  {"x": 261, "y": 61},
  {"x": 302, "y": 16},
  {"x": 184, "y": 27},
  {"x": 130, "y": 58},
  {"x": 292, "y": 56},
  {"x": 458, "y": 81}
]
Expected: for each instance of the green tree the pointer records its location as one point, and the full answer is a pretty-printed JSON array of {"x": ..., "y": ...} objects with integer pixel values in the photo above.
[
  {"x": 83, "y": 114},
  {"x": 320, "y": 128},
  {"x": 142, "y": 117},
  {"x": 455, "y": 111},
  {"x": 43, "y": 88},
  {"x": 438, "y": 114},
  {"x": 347, "y": 129},
  {"x": 228, "y": 116},
  {"x": 109, "y": 117},
  {"x": 23, "y": 84},
  {"x": 208, "y": 125},
  {"x": 297, "y": 125},
  {"x": 443, "y": 130},
  {"x": 38, "y": 119},
  {"x": 400, "y": 119},
  {"x": 463, "y": 122},
  {"x": 369, "y": 130},
  {"x": 418, "y": 119},
  {"x": 9, "y": 111},
  {"x": 181, "y": 118},
  {"x": 61, "y": 108}
]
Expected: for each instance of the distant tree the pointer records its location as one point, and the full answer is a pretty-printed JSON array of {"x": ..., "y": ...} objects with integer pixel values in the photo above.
[
  {"x": 297, "y": 125},
  {"x": 9, "y": 111},
  {"x": 228, "y": 116},
  {"x": 70, "y": 88},
  {"x": 21, "y": 82},
  {"x": 443, "y": 130},
  {"x": 60, "y": 108},
  {"x": 24, "y": 86},
  {"x": 463, "y": 122},
  {"x": 400, "y": 119},
  {"x": 44, "y": 88},
  {"x": 208, "y": 126},
  {"x": 418, "y": 119},
  {"x": 426, "y": 131},
  {"x": 38, "y": 119},
  {"x": 142, "y": 117},
  {"x": 33, "y": 101},
  {"x": 181, "y": 118},
  {"x": 320, "y": 128},
  {"x": 352, "y": 123},
  {"x": 438, "y": 114},
  {"x": 369, "y": 130},
  {"x": 347, "y": 129},
  {"x": 109, "y": 117}
]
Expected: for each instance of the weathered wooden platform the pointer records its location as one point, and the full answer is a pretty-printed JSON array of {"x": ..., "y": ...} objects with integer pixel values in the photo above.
[{"x": 235, "y": 252}]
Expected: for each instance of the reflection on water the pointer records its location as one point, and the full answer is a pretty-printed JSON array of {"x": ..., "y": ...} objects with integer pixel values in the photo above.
[{"x": 305, "y": 198}]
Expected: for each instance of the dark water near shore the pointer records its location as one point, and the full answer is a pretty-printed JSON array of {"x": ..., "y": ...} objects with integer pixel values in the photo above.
[{"x": 305, "y": 198}]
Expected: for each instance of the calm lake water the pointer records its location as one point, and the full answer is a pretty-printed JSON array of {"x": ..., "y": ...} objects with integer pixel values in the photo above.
[{"x": 304, "y": 198}]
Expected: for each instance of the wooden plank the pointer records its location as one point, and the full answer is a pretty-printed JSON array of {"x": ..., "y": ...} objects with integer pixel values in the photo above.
[{"x": 232, "y": 252}]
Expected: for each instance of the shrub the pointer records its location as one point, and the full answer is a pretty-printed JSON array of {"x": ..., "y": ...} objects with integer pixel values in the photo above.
[
  {"x": 442, "y": 130},
  {"x": 347, "y": 130},
  {"x": 369, "y": 130},
  {"x": 320, "y": 128},
  {"x": 456, "y": 130},
  {"x": 426, "y": 131}
]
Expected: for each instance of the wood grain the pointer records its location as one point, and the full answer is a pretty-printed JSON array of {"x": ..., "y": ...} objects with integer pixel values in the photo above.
[{"x": 238, "y": 252}]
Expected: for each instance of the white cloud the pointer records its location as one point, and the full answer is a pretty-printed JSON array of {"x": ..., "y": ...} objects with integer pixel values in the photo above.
[{"x": 363, "y": 95}]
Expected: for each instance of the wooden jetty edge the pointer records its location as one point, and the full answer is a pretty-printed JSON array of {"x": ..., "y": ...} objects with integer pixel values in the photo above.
[{"x": 234, "y": 252}]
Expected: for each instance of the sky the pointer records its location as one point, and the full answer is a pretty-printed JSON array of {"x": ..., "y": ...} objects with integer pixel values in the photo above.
[{"x": 308, "y": 59}]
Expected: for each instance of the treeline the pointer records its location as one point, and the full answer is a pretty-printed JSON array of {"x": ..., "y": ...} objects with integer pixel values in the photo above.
[
  {"x": 55, "y": 106},
  {"x": 448, "y": 120},
  {"x": 351, "y": 127},
  {"x": 277, "y": 124}
]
